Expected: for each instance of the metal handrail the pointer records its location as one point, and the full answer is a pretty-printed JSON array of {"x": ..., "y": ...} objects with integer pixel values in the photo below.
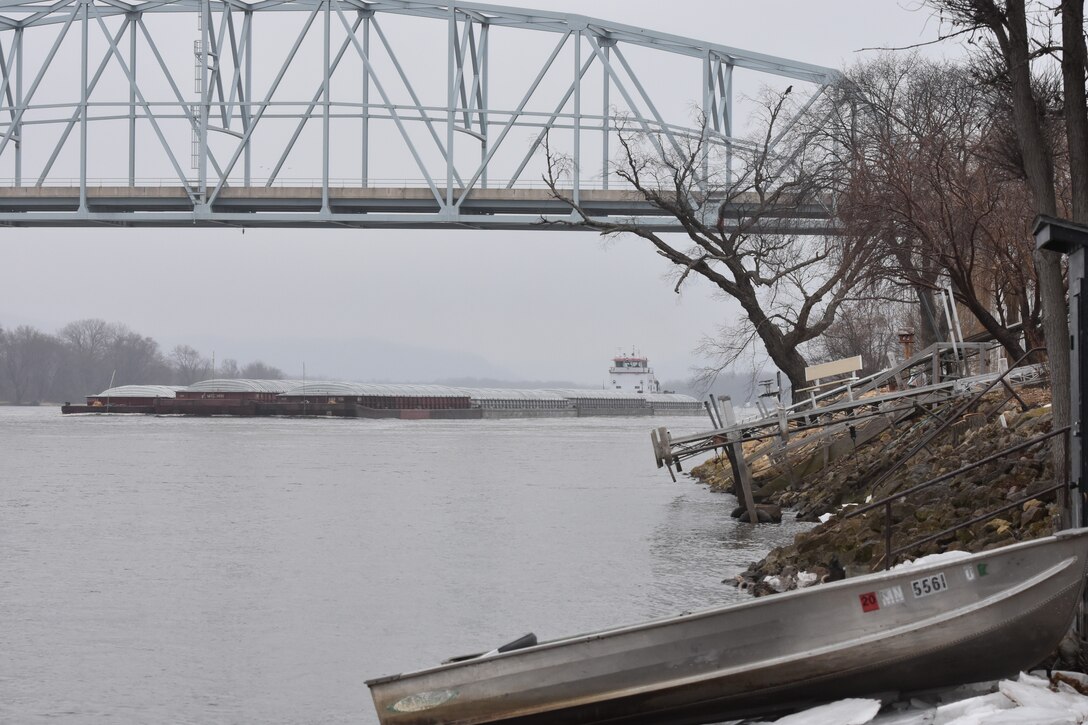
[
  {"x": 713, "y": 440},
  {"x": 978, "y": 519},
  {"x": 773, "y": 422},
  {"x": 857, "y": 384},
  {"x": 952, "y": 474},
  {"x": 890, "y": 552},
  {"x": 843, "y": 387},
  {"x": 952, "y": 418}
]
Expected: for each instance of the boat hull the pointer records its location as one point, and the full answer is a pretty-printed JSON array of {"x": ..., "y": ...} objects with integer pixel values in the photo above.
[{"x": 983, "y": 617}]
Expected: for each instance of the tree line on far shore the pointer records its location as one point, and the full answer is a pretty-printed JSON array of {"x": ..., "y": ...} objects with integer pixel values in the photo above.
[{"x": 83, "y": 357}]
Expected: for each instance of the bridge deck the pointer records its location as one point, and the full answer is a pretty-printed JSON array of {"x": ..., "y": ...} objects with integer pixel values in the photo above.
[{"x": 375, "y": 207}]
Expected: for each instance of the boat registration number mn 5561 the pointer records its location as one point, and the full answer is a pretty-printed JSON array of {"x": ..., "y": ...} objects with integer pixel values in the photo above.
[{"x": 925, "y": 586}]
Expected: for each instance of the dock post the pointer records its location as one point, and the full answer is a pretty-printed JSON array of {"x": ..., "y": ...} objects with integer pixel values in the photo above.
[
  {"x": 783, "y": 424},
  {"x": 740, "y": 467}
]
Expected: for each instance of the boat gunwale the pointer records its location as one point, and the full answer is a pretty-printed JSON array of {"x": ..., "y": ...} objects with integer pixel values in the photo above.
[{"x": 901, "y": 571}]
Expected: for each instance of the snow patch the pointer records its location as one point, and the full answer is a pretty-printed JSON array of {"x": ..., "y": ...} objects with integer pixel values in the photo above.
[
  {"x": 1028, "y": 700},
  {"x": 1033, "y": 693},
  {"x": 806, "y": 579},
  {"x": 907, "y": 717},
  {"x": 852, "y": 711},
  {"x": 943, "y": 557}
]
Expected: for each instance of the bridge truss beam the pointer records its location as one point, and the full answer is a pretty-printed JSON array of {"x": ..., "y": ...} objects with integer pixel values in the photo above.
[{"x": 333, "y": 113}]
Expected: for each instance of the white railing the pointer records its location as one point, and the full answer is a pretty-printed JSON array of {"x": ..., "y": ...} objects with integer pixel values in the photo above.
[{"x": 305, "y": 183}]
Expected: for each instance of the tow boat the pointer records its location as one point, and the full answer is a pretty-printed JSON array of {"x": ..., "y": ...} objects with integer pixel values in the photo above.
[{"x": 977, "y": 617}]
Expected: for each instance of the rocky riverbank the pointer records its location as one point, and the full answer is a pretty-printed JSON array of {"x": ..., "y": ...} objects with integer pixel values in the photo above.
[{"x": 824, "y": 492}]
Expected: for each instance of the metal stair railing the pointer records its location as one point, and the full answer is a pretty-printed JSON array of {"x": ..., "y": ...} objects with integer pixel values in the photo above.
[
  {"x": 890, "y": 553},
  {"x": 952, "y": 418}
]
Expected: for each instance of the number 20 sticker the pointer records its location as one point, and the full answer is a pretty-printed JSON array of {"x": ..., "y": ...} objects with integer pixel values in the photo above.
[{"x": 869, "y": 602}]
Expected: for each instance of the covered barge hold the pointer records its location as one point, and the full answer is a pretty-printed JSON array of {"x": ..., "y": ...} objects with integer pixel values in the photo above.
[
  {"x": 226, "y": 396},
  {"x": 372, "y": 400},
  {"x": 673, "y": 404},
  {"x": 515, "y": 403},
  {"x": 607, "y": 402},
  {"x": 126, "y": 399}
]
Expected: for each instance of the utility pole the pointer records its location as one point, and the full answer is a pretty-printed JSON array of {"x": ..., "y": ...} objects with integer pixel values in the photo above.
[{"x": 1071, "y": 239}]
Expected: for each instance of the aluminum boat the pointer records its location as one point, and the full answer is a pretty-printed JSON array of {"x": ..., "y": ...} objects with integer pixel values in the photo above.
[{"x": 978, "y": 617}]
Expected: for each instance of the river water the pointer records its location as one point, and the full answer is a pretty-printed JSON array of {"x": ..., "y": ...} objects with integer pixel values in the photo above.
[{"x": 259, "y": 570}]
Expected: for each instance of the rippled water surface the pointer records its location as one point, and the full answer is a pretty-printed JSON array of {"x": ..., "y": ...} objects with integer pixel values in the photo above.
[{"x": 259, "y": 570}]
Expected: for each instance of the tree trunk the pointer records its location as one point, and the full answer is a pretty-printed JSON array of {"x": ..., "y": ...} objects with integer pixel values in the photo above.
[
  {"x": 1000, "y": 332},
  {"x": 1039, "y": 171},
  {"x": 784, "y": 355},
  {"x": 788, "y": 360},
  {"x": 1076, "y": 108}
]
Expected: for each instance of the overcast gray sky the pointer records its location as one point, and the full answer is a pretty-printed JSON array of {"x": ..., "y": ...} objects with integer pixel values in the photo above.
[{"x": 419, "y": 305}]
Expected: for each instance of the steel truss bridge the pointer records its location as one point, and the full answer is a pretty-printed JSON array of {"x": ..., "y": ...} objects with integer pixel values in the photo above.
[{"x": 303, "y": 113}]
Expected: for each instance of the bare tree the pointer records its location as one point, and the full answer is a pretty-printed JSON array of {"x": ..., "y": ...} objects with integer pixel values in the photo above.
[
  {"x": 88, "y": 338},
  {"x": 136, "y": 358},
  {"x": 867, "y": 327},
  {"x": 1074, "y": 66},
  {"x": 741, "y": 232},
  {"x": 228, "y": 369},
  {"x": 258, "y": 370},
  {"x": 189, "y": 365},
  {"x": 87, "y": 344},
  {"x": 924, "y": 186},
  {"x": 1005, "y": 32},
  {"x": 29, "y": 359}
]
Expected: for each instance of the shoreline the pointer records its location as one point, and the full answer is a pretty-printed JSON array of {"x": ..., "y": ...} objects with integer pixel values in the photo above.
[{"x": 823, "y": 493}]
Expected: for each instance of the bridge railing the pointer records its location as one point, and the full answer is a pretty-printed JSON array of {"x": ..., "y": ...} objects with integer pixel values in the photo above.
[{"x": 301, "y": 183}]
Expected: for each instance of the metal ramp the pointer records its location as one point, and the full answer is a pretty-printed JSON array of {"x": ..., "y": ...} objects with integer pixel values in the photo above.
[
  {"x": 957, "y": 369},
  {"x": 670, "y": 451}
]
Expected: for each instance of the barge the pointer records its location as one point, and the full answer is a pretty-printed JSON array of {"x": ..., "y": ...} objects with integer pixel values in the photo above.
[{"x": 639, "y": 395}]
